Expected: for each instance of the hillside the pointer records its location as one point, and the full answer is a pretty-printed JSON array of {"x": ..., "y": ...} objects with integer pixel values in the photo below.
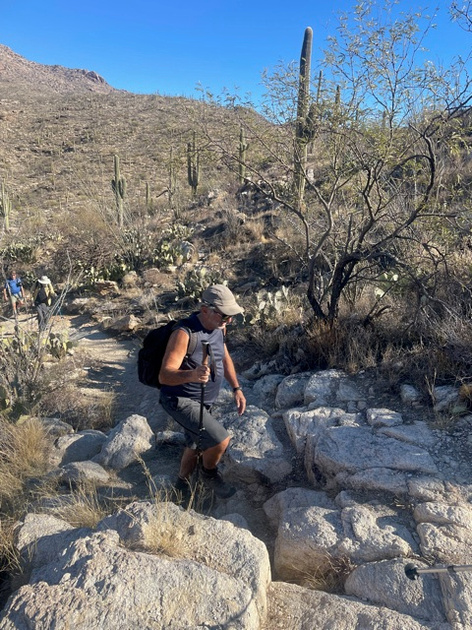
[
  {"x": 59, "y": 138},
  {"x": 20, "y": 78}
]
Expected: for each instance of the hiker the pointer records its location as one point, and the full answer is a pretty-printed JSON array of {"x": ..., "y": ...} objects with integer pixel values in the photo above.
[
  {"x": 186, "y": 382},
  {"x": 13, "y": 291},
  {"x": 43, "y": 293}
]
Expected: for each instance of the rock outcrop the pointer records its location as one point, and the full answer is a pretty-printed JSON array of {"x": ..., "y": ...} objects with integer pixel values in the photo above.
[{"x": 342, "y": 492}]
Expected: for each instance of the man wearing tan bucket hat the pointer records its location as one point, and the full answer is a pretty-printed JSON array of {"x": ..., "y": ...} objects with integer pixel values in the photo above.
[{"x": 191, "y": 383}]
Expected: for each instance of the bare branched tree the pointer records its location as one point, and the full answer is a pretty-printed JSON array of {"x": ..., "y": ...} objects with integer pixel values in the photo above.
[{"x": 375, "y": 201}]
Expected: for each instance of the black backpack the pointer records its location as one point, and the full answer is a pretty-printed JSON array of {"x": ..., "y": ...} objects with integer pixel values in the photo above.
[{"x": 154, "y": 347}]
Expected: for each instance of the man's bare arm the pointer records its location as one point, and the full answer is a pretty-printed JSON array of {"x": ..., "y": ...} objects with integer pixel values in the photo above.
[
  {"x": 232, "y": 378},
  {"x": 170, "y": 373}
]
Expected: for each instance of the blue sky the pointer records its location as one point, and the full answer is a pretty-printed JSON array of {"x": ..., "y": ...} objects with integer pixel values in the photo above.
[{"x": 165, "y": 47}]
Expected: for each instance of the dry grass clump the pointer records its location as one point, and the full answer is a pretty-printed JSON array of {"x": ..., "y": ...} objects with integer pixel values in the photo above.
[
  {"x": 83, "y": 507},
  {"x": 24, "y": 453},
  {"x": 10, "y": 560},
  {"x": 345, "y": 343},
  {"x": 328, "y": 573},
  {"x": 162, "y": 537}
]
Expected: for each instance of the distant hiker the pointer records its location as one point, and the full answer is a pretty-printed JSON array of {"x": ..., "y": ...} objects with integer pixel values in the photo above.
[
  {"x": 13, "y": 291},
  {"x": 189, "y": 388},
  {"x": 43, "y": 293}
]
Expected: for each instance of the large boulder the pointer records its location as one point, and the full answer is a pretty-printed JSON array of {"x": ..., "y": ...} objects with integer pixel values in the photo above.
[
  {"x": 126, "y": 442},
  {"x": 350, "y": 450},
  {"x": 294, "y": 607},
  {"x": 255, "y": 452},
  {"x": 160, "y": 567},
  {"x": 385, "y": 584},
  {"x": 75, "y": 447},
  {"x": 311, "y": 529}
]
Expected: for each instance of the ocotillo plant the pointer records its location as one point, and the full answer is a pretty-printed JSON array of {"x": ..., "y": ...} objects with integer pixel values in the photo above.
[
  {"x": 5, "y": 206},
  {"x": 304, "y": 128},
  {"x": 193, "y": 165},
  {"x": 243, "y": 147},
  {"x": 118, "y": 185}
]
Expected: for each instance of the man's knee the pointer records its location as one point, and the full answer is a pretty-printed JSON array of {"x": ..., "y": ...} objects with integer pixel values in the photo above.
[{"x": 221, "y": 446}]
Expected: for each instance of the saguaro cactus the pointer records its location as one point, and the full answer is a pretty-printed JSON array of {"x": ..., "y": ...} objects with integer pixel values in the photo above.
[
  {"x": 118, "y": 185},
  {"x": 172, "y": 187},
  {"x": 148, "y": 197},
  {"x": 243, "y": 147},
  {"x": 193, "y": 165},
  {"x": 305, "y": 124},
  {"x": 5, "y": 206}
]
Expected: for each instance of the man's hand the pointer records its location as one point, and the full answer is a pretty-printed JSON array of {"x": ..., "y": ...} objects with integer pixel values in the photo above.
[
  {"x": 240, "y": 400},
  {"x": 201, "y": 374}
]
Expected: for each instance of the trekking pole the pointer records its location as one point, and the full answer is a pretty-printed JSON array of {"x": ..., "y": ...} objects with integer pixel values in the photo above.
[
  {"x": 413, "y": 572},
  {"x": 205, "y": 346}
]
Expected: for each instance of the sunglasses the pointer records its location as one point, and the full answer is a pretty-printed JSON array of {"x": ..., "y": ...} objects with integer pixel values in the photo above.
[{"x": 224, "y": 318}]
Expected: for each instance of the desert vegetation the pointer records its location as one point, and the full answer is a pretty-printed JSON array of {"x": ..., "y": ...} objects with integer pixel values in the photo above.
[{"x": 339, "y": 208}]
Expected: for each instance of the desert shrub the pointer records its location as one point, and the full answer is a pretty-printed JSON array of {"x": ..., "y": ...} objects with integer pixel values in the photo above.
[
  {"x": 22, "y": 376},
  {"x": 24, "y": 455},
  {"x": 195, "y": 281},
  {"x": 18, "y": 252}
]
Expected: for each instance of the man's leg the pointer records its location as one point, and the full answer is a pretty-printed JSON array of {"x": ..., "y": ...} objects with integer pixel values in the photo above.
[
  {"x": 210, "y": 457},
  {"x": 188, "y": 463},
  {"x": 213, "y": 441}
]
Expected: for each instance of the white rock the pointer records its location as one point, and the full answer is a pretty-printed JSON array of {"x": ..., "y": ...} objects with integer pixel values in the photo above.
[
  {"x": 322, "y": 386},
  {"x": 385, "y": 584},
  {"x": 409, "y": 394},
  {"x": 300, "y": 423},
  {"x": 255, "y": 453},
  {"x": 383, "y": 418},
  {"x": 126, "y": 442},
  {"x": 76, "y": 447},
  {"x": 84, "y": 472},
  {"x": 291, "y": 391},
  {"x": 100, "y": 584},
  {"x": 298, "y": 608}
]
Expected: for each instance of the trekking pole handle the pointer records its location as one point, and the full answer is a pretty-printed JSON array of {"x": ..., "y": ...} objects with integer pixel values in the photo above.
[
  {"x": 205, "y": 352},
  {"x": 205, "y": 355}
]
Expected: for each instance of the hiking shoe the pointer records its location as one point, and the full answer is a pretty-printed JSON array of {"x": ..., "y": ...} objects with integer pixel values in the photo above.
[{"x": 214, "y": 480}]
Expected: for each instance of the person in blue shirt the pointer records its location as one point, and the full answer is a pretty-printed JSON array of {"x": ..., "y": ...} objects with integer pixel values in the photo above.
[
  {"x": 14, "y": 292},
  {"x": 185, "y": 377}
]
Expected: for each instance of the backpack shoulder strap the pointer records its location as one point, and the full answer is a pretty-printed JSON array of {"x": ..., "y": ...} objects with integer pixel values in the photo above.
[{"x": 193, "y": 336}]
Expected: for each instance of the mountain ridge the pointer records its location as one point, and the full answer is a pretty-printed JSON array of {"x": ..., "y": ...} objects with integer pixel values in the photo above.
[{"x": 18, "y": 73}]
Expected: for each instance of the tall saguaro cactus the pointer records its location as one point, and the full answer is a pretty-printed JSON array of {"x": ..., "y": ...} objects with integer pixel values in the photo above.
[
  {"x": 304, "y": 128},
  {"x": 243, "y": 147},
  {"x": 118, "y": 185},
  {"x": 5, "y": 206},
  {"x": 193, "y": 165},
  {"x": 172, "y": 187}
]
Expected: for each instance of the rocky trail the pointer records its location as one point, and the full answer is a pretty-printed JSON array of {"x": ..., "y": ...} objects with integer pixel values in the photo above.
[{"x": 331, "y": 470}]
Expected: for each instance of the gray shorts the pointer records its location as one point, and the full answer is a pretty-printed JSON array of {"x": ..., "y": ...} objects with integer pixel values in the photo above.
[{"x": 187, "y": 413}]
